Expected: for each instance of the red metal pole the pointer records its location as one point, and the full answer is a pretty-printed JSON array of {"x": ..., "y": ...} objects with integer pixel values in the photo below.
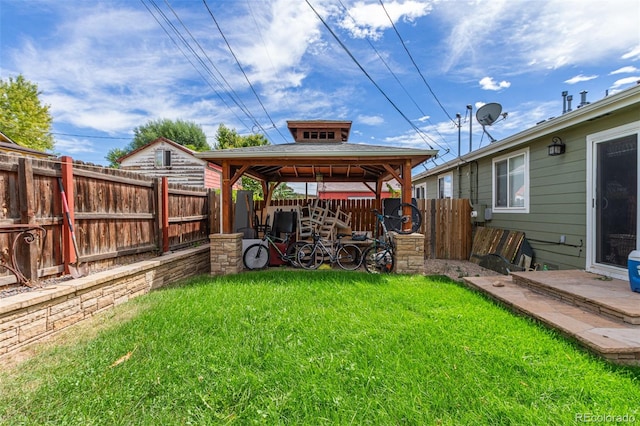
[{"x": 68, "y": 252}]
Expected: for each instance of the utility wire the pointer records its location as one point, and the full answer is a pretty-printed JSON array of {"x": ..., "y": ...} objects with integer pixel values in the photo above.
[
  {"x": 89, "y": 137},
  {"x": 266, "y": 48},
  {"x": 231, "y": 92},
  {"x": 414, "y": 62},
  {"x": 243, "y": 72},
  {"x": 204, "y": 78},
  {"x": 398, "y": 81},
  {"x": 346, "y": 49}
]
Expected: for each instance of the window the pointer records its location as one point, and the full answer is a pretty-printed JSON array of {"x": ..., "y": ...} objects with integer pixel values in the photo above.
[
  {"x": 318, "y": 135},
  {"x": 163, "y": 158},
  {"x": 445, "y": 186},
  {"x": 420, "y": 191},
  {"x": 511, "y": 183}
]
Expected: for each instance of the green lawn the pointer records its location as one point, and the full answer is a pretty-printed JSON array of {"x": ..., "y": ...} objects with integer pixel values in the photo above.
[{"x": 315, "y": 347}]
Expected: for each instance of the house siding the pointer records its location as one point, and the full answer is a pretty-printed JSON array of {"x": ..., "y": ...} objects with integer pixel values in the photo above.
[
  {"x": 212, "y": 178},
  {"x": 185, "y": 169},
  {"x": 557, "y": 191}
]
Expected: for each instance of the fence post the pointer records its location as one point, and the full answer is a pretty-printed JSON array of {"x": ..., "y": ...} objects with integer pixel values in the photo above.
[
  {"x": 165, "y": 214},
  {"x": 213, "y": 213},
  {"x": 157, "y": 199},
  {"x": 29, "y": 252},
  {"x": 68, "y": 253}
]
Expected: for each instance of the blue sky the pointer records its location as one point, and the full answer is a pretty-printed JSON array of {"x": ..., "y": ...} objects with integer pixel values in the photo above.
[{"x": 106, "y": 67}]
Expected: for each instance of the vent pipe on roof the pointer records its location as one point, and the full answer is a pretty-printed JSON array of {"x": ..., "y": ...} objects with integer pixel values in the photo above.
[
  {"x": 569, "y": 99},
  {"x": 583, "y": 99},
  {"x": 564, "y": 101}
]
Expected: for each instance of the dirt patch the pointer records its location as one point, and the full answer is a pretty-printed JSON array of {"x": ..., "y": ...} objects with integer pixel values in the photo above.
[{"x": 456, "y": 269}]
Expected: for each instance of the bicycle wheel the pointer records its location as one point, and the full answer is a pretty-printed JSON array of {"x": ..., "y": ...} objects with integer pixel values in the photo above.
[
  {"x": 349, "y": 257},
  {"x": 395, "y": 221},
  {"x": 292, "y": 253},
  {"x": 309, "y": 256},
  {"x": 378, "y": 259},
  {"x": 256, "y": 256}
]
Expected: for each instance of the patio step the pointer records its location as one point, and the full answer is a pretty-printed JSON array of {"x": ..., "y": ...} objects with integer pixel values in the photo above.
[
  {"x": 593, "y": 292},
  {"x": 601, "y": 332}
]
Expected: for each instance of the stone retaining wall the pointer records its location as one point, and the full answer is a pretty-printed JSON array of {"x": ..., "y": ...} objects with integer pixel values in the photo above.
[
  {"x": 409, "y": 253},
  {"x": 28, "y": 317},
  {"x": 226, "y": 254}
]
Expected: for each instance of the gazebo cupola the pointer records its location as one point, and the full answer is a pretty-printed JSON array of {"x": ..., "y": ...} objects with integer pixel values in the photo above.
[{"x": 321, "y": 131}]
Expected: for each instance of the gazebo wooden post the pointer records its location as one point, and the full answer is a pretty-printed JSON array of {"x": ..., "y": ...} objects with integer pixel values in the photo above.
[
  {"x": 406, "y": 192},
  {"x": 226, "y": 248},
  {"x": 409, "y": 250},
  {"x": 266, "y": 192},
  {"x": 227, "y": 199}
]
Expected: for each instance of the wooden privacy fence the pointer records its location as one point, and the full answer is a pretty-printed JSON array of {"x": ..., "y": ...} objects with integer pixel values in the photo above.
[
  {"x": 446, "y": 223},
  {"x": 119, "y": 217}
]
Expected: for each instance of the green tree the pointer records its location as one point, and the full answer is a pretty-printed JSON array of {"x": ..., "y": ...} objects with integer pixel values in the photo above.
[
  {"x": 182, "y": 132},
  {"x": 23, "y": 117},
  {"x": 228, "y": 138}
]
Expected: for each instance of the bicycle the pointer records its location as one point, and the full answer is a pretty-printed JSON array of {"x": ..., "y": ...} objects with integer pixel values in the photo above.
[
  {"x": 395, "y": 221},
  {"x": 312, "y": 255},
  {"x": 258, "y": 255},
  {"x": 379, "y": 256}
]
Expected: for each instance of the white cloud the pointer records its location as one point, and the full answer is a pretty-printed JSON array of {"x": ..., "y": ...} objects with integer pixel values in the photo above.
[
  {"x": 74, "y": 145},
  {"x": 113, "y": 70},
  {"x": 488, "y": 83},
  {"x": 538, "y": 35},
  {"x": 370, "y": 19},
  {"x": 273, "y": 40},
  {"x": 580, "y": 78},
  {"x": 625, "y": 70},
  {"x": 624, "y": 81},
  {"x": 370, "y": 120},
  {"x": 633, "y": 54}
]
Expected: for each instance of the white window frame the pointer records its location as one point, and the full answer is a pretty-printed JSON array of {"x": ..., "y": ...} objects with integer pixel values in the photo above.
[
  {"x": 160, "y": 158},
  {"x": 420, "y": 191},
  {"x": 442, "y": 178},
  {"x": 526, "y": 195},
  {"x": 592, "y": 141}
]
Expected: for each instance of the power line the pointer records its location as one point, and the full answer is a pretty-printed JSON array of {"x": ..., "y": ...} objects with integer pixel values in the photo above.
[
  {"x": 266, "y": 48},
  {"x": 397, "y": 79},
  {"x": 233, "y": 95},
  {"x": 187, "y": 56},
  {"x": 242, "y": 70},
  {"x": 414, "y": 62},
  {"x": 346, "y": 49},
  {"x": 89, "y": 136}
]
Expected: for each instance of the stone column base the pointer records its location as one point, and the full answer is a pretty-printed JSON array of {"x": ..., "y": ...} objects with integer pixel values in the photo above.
[
  {"x": 409, "y": 252},
  {"x": 226, "y": 254}
]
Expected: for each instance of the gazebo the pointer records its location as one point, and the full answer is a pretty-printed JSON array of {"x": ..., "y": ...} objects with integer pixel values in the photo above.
[{"x": 320, "y": 153}]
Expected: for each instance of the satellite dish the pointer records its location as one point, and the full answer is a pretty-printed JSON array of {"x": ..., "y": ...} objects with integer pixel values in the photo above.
[{"x": 487, "y": 115}]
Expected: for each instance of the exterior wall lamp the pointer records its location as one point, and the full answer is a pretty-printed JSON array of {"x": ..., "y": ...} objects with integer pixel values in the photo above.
[{"x": 557, "y": 147}]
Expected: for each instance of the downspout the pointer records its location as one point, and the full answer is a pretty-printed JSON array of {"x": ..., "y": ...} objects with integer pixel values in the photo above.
[
  {"x": 470, "y": 108},
  {"x": 458, "y": 116},
  {"x": 459, "y": 182}
]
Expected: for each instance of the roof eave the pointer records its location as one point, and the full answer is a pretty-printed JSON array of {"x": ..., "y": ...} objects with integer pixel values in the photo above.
[{"x": 578, "y": 116}]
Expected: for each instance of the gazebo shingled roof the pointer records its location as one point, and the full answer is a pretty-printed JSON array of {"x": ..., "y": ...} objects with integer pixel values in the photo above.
[{"x": 313, "y": 161}]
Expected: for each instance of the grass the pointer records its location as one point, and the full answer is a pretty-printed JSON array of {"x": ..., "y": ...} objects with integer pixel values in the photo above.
[{"x": 319, "y": 347}]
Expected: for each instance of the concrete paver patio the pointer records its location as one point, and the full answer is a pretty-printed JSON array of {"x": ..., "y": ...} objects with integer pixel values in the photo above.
[{"x": 601, "y": 314}]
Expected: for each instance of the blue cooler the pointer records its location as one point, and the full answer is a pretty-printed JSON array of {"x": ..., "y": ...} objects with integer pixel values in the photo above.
[{"x": 633, "y": 263}]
